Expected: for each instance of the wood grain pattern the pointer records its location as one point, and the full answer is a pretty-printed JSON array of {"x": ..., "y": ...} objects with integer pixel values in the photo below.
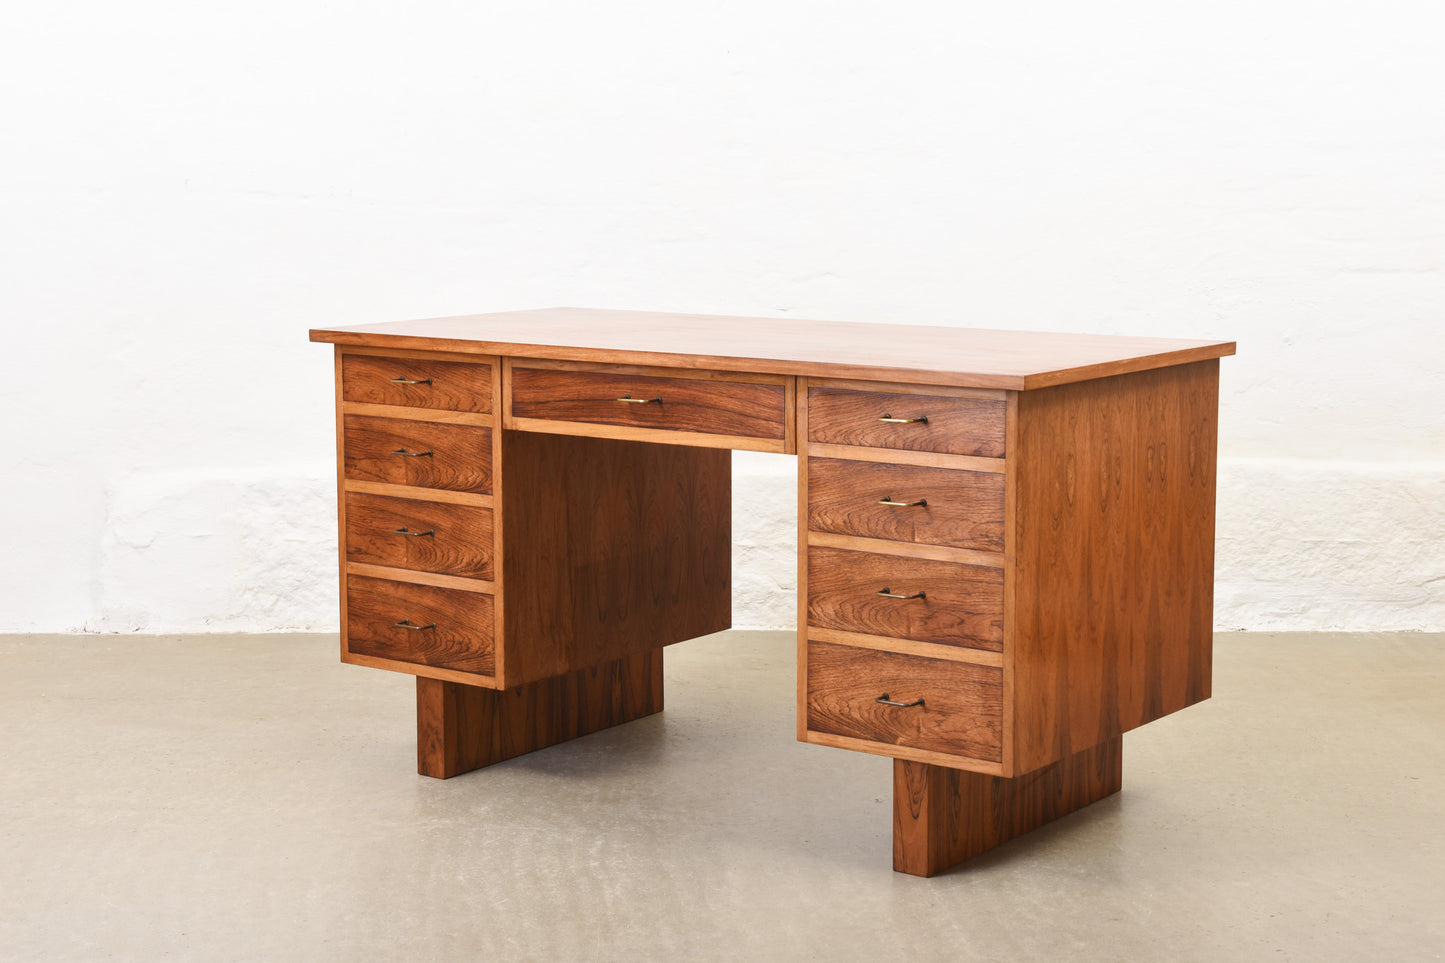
[
  {"x": 452, "y": 385},
  {"x": 965, "y": 509},
  {"x": 897, "y": 456},
  {"x": 655, "y": 436},
  {"x": 1114, "y": 538},
  {"x": 337, "y": 355},
  {"x": 962, "y": 605},
  {"x": 461, "y": 639},
  {"x": 958, "y": 426},
  {"x": 1010, "y": 584},
  {"x": 961, "y": 713},
  {"x": 800, "y": 710},
  {"x": 482, "y": 585},
  {"x": 942, "y": 391},
  {"x": 613, "y": 548},
  {"x": 474, "y": 499},
  {"x": 460, "y": 542},
  {"x": 438, "y": 415},
  {"x": 462, "y": 727},
  {"x": 688, "y": 405},
  {"x": 920, "y": 354},
  {"x": 943, "y": 816},
  {"x": 461, "y": 458},
  {"x": 885, "y": 643},
  {"x": 939, "y": 553}
]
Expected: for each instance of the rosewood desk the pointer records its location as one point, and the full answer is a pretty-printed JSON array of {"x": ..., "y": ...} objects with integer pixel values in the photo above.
[{"x": 1005, "y": 539}]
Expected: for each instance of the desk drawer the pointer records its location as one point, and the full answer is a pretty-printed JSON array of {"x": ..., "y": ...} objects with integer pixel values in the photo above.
[
  {"x": 960, "y": 605},
  {"x": 420, "y": 453},
  {"x": 417, "y": 383},
  {"x": 419, "y": 535},
  {"x": 456, "y": 628},
  {"x": 962, "y": 509},
  {"x": 714, "y": 406},
  {"x": 954, "y": 426},
  {"x": 961, "y": 713}
]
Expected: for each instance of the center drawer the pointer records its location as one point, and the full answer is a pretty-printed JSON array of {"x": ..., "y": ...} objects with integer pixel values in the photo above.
[
  {"x": 420, "y": 535},
  {"x": 715, "y": 406}
]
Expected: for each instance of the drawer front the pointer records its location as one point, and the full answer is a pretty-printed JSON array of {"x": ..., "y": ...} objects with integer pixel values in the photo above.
[
  {"x": 954, "y": 426},
  {"x": 417, "y": 383},
  {"x": 961, "y": 714},
  {"x": 419, "y": 535},
  {"x": 395, "y": 450},
  {"x": 957, "y": 604},
  {"x": 457, "y": 627},
  {"x": 714, "y": 407},
  {"x": 964, "y": 509}
]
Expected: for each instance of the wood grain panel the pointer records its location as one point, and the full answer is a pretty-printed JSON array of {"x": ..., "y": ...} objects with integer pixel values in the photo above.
[
  {"x": 961, "y": 714},
  {"x": 613, "y": 548},
  {"x": 962, "y": 605},
  {"x": 459, "y": 540},
  {"x": 1114, "y": 534},
  {"x": 897, "y": 456},
  {"x": 918, "y": 354},
  {"x": 462, "y": 727},
  {"x": 451, "y": 385},
  {"x": 943, "y": 816},
  {"x": 965, "y": 509},
  {"x": 461, "y": 458},
  {"x": 958, "y": 426},
  {"x": 710, "y": 406},
  {"x": 461, "y": 637}
]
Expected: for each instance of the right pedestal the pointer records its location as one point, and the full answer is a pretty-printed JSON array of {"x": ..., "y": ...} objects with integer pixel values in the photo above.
[{"x": 943, "y": 816}]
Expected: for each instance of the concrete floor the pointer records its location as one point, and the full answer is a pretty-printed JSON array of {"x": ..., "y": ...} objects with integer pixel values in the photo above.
[{"x": 249, "y": 798}]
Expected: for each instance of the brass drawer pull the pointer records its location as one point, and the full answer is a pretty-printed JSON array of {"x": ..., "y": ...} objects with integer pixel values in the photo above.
[
  {"x": 888, "y": 593},
  {"x": 408, "y": 381},
  {"x": 920, "y": 420},
  {"x": 412, "y": 454},
  {"x": 888, "y": 500},
  {"x": 406, "y": 624},
  {"x": 406, "y": 531},
  {"x": 641, "y": 401},
  {"x": 884, "y": 700}
]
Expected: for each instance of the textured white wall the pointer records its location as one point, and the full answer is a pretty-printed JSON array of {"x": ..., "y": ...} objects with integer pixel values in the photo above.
[{"x": 186, "y": 188}]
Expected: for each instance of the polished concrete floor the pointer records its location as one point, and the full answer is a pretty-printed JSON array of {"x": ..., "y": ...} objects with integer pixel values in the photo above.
[{"x": 249, "y": 798}]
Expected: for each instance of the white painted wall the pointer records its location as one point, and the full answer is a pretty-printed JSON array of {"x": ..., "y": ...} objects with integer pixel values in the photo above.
[{"x": 186, "y": 188}]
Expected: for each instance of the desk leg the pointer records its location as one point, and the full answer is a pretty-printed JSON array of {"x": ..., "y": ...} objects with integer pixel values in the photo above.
[
  {"x": 461, "y": 727},
  {"x": 943, "y": 816}
]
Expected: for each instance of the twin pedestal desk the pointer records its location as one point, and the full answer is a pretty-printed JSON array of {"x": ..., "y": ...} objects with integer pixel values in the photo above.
[{"x": 1005, "y": 539}]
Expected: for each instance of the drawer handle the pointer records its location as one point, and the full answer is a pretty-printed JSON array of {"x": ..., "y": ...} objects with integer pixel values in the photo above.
[
  {"x": 888, "y": 593},
  {"x": 920, "y": 420},
  {"x": 884, "y": 700},
  {"x": 413, "y": 454},
  {"x": 641, "y": 401},
  {"x": 406, "y": 531},
  {"x": 406, "y": 624},
  {"x": 408, "y": 381},
  {"x": 888, "y": 500}
]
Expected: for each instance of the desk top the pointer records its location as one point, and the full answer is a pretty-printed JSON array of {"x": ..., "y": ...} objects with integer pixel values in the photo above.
[{"x": 966, "y": 357}]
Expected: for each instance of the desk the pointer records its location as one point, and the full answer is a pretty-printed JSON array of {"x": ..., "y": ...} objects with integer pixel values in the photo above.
[{"x": 1005, "y": 539}]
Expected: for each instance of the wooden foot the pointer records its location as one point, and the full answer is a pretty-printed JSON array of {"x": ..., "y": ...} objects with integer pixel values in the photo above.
[
  {"x": 460, "y": 727},
  {"x": 943, "y": 816}
]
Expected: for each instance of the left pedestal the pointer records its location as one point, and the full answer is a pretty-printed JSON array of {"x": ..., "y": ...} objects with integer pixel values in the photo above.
[{"x": 461, "y": 727}]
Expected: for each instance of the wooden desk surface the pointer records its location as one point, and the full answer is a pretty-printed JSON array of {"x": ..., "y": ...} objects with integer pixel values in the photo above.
[{"x": 967, "y": 357}]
